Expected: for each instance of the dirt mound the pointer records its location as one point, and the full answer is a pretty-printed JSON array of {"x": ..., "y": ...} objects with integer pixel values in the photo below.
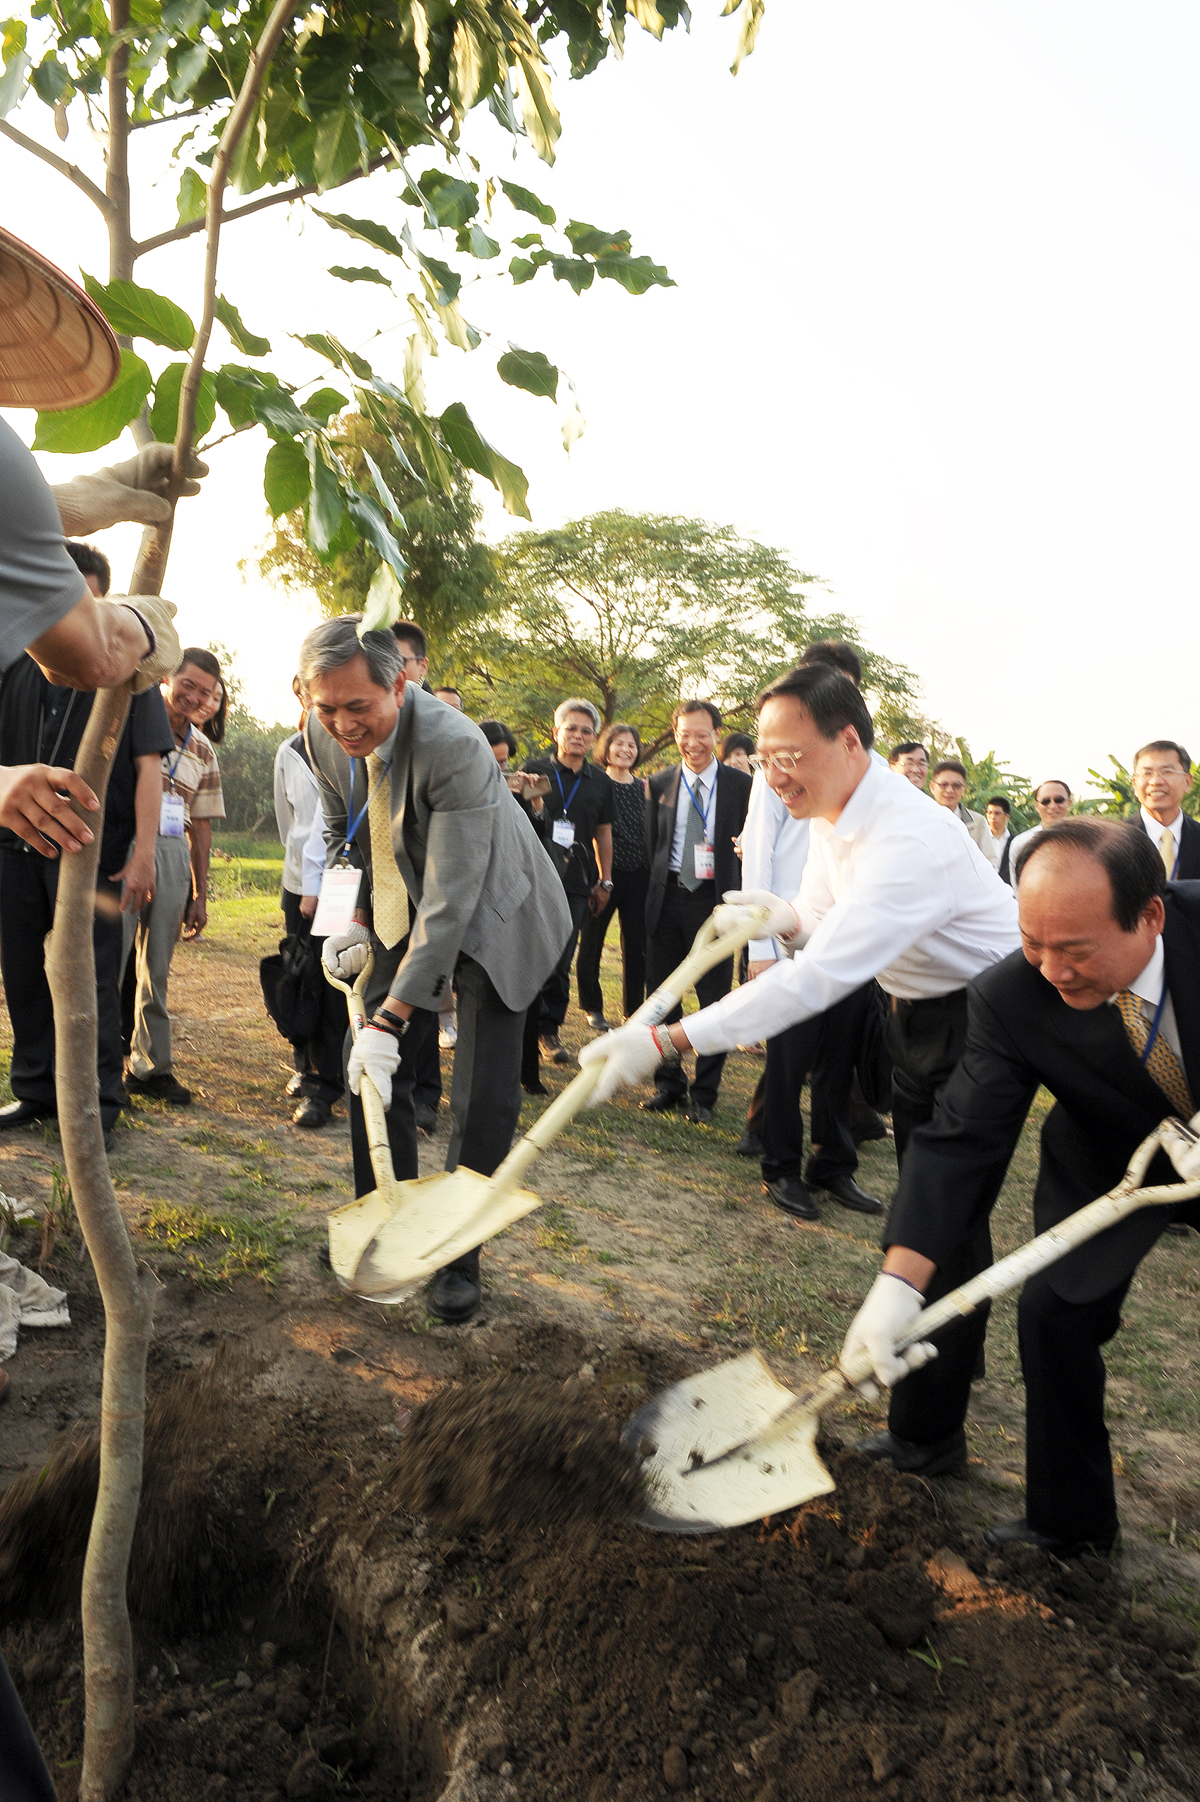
[{"x": 514, "y": 1455}]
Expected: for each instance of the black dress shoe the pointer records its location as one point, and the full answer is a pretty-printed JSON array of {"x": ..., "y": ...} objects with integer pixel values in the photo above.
[
  {"x": 558, "y": 1052},
  {"x": 790, "y": 1194},
  {"x": 847, "y": 1191},
  {"x": 426, "y": 1117},
  {"x": 662, "y": 1103},
  {"x": 749, "y": 1145},
  {"x": 698, "y": 1115},
  {"x": 598, "y": 1023},
  {"x": 295, "y": 1087},
  {"x": 312, "y": 1112},
  {"x": 164, "y": 1085},
  {"x": 456, "y": 1292},
  {"x": 24, "y": 1113},
  {"x": 536, "y": 1087},
  {"x": 1019, "y": 1532},
  {"x": 867, "y": 1126},
  {"x": 940, "y": 1458}
]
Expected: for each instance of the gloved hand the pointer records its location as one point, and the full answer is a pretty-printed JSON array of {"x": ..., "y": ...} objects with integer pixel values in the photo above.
[
  {"x": 163, "y": 660},
  {"x": 783, "y": 921},
  {"x": 629, "y": 1055},
  {"x": 1183, "y": 1147},
  {"x": 344, "y": 954},
  {"x": 887, "y": 1314},
  {"x": 137, "y": 489},
  {"x": 377, "y": 1055}
]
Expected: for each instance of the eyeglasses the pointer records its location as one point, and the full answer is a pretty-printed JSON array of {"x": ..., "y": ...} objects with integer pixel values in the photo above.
[
  {"x": 412, "y": 659},
  {"x": 1053, "y": 801},
  {"x": 1145, "y": 774},
  {"x": 785, "y": 762}
]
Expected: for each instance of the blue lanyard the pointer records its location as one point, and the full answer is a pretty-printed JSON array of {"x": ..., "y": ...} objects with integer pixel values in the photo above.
[
  {"x": 565, "y": 798},
  {"x": 183, "y": 747},
  {"x": 702, "y": 811},
  {"x": 354, "y": 824},
  {"x": 1162, "y": 1002}
]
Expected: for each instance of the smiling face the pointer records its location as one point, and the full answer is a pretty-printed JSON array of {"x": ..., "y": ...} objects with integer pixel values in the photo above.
[
  {"x": 1053, "y": 802},
  {"x": 914, "y": 765},
  {"x": 191, "y": 695},
  {"x": 948, "y": 788},
  {"x": 1160, "y": 782},
  {"x": 573, "y": 739},
  {"x": 826, "y": 771},
  {"x": 622, "y": 751},
  {"x": 1069, "y": 934},
  {"x": 352, "y": 708},
  {"x": 696, "y": 737}
]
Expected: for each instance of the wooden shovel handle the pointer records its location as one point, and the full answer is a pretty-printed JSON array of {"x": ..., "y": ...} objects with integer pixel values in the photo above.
[{"x": 374, "y": 1112}]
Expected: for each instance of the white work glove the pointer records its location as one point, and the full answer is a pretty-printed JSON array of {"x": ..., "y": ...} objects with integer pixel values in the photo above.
[
  {"x": 377, "y": 1055},
  {"x": 783, "y": 921},
  {"x": 628, "y": 1054},
  {"x": 1182, "y": 1145},
  {"x": 164, "y": 659},
  {"x": 344, "y": 954},
  {"x": 888, "y": 1313},
  {"x": 137, "y": 490}
]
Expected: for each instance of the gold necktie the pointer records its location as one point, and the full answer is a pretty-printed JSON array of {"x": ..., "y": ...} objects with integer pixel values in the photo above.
[
  {"x": 1166, "y": 850},
  {"x": 1162, "y": 1066},
  {"x": 389, "y": 897}
]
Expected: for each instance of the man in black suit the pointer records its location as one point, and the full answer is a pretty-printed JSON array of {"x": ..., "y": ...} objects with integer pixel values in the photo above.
[
  {"x": 1102, "y": 1006},
  {"x": 694, "y": 814},
  {"x": 1162, "y": 776}
]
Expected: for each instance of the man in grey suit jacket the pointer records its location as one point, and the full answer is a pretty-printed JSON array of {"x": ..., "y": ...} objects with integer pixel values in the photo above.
[{"x": 486, "y": 906}]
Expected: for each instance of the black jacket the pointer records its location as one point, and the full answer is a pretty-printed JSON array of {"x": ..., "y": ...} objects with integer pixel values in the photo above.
[
  {"x": 1189, "y": 847},
  {"x": 729, "y": 816},
  {"x": 1020, "y": 1034}
]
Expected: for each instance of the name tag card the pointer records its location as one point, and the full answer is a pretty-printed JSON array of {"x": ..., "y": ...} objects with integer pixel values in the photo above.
[
  {"x": 706, "y": 863},
  {"x": 337, "y": 902},
  {"x": 170, "y": 817},
  {"x": 563, "y": 833}
]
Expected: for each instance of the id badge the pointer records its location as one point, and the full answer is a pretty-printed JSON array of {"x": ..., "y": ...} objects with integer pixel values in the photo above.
[
  {"x": 706, "y": 863},
  {"x": 170, "y": 817},
  {"x": 337, "y": 902},
  {"x": 563, "y": 833}
]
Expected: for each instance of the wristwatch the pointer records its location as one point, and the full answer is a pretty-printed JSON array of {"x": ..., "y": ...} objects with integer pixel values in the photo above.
[
  {"x": 605, "y": 885},
  {"x": 389, "y": 1023}
]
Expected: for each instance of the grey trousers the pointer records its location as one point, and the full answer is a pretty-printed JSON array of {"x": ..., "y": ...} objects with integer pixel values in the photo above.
[{"x": 155, "y": 932}]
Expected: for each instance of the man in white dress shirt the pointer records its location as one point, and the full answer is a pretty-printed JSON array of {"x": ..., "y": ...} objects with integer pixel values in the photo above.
[
  {"x": 1162, "y": 776},
  {"x": 1052, "y": 799},
  {"x": 893, "y": 889}
]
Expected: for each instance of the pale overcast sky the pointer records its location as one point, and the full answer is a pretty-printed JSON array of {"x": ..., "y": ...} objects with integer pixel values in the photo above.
[{"x": 934, "y": 335}]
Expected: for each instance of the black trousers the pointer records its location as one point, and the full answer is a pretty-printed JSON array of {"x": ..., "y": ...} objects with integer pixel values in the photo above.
[
  {"x": 824, "y": 1051},
  {"x": 684, "y": 912},
  {"x": 427, "y": 1075},
  {"x": 28, "y": 890},
  {"x": 556, "y": 992},
  {"x": 319, "y": 1059},
  {"x": 401, "y": 1120},
  {"x": 23, "y": 1773},
  {"x": 627, "y": 903}
]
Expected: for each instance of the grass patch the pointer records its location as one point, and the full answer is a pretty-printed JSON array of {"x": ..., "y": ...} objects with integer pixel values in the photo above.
[{"x": 251, "y": 1247}]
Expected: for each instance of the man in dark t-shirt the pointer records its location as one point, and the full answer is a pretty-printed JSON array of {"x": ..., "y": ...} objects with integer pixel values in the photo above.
[{"x": 43, "y": 723}]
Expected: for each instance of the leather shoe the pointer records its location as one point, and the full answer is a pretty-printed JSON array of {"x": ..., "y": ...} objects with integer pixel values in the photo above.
[
  {"x": 455, "y": 1293},
  {"x": 295, "y": 1086},
  {"x": 558, "y": 1052},
  {"x": 598, "y": 1023},
  {"x": 790, "y": 1194},
  {"x": 847, "y": 1191},
  {"x": 940, "y": 1458},
  {"x": 427, "y": 1117},
  {"x": 536, "y": 1087},
  {"x": 1019, "y": 1532},
  {"x": 698, "y": 1115},
  {"x": 312, "y": 1112},
  {"x": 662, "y": 1103},
  {"x": 24, "y": 1113},
  {"x": 749, "y": 1145}
]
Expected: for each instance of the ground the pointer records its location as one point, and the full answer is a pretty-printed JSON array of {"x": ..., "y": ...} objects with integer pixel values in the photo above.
[{"x": 654, "y": 1253}]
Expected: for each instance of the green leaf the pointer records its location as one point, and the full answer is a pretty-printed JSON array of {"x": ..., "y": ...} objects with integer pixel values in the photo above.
[
  {"x": 285, "y": 477},
  {"x": 525, "y": 202},
  {"x": 590, "y": 241},
  {"x": 473, "y": 449},
  {"x": 51, "y": 80},
  {"x": 373, "y": 526},
  {"x": 326, "y": 508},
  {"x": 360, "y": 273},
  {"x": 89, "y": 428},
  {"x": 338, "y": 149},
  {"x": 188, "y": 70},
  {"x": 14, "y": 34},
  {"x": 635, "y": 274},
  {"x": 452, "y": 202},
  {"x": 387, "y": 499},
  {"x": 522, "y": 270},
  {"x": 281, "y": 416},
  {"x": 573, "y": 270},
  {"x": 529, "y": 238},
  {"x": 13, "y": 81},
  {"x": 193, "y": 197},
  {"x": 164, "y": 414},
  {"x": 447, "y": 280},
  {"x": 538, "y": 111},
  {"x": 365, "y": 229},
  {"x": 244, "y": 340},
  {"x": 475, "y": 240},
  {"x": 530, "y": 370},
  {"x": 238, "y": 388},
  {"x": 140, "y": 313},
  {"x": 325, "y": 403},
  {"x": 331, "y": 348},
  {"x": 381, "y": 609}
]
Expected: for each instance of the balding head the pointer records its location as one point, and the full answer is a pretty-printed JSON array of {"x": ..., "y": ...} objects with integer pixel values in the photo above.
[{"x": 1090, "y": 902}]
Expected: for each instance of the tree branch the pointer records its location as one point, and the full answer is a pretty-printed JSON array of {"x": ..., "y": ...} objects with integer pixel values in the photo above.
[
  {"x": 255, "y": 206},
  {"x": 192, "y": 112},
  {"x": 83, "y": 182}
]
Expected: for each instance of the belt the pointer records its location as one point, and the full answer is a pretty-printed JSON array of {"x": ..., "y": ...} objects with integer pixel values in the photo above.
[
  {"x": 674, "y": 882},
  {"x": 925, "y": 1001}
]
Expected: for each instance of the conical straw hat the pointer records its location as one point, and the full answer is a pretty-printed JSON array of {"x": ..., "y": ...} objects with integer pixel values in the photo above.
[{"x": 56, "y": 347}]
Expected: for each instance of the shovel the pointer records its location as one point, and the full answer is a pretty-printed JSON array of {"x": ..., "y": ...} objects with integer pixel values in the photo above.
[
  {"x": 732, "y": 1445},
  {"x": 384, "y": 1244},
  {"x": 351, "y": 1226}
]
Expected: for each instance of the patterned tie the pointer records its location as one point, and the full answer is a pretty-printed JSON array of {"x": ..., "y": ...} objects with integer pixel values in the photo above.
[
  {"x": 1166, "y": 850},
  {"x": 389, "y": 897},
  {"x": 694, "y": 835},
  {"x": 1162, "y": 1066}
]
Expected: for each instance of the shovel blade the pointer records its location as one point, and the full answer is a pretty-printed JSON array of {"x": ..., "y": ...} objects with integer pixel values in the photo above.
[
  {"x": 436, "y": 1219},
  {"x": 702, "y": 1462},
  {"x": 351, "y": 1229}
]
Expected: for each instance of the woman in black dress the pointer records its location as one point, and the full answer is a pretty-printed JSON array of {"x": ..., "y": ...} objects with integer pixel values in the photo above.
[{"x": 619, "y": 752}]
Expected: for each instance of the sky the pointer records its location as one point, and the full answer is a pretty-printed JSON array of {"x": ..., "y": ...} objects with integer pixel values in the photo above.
[{"x": 934, "y": 335}]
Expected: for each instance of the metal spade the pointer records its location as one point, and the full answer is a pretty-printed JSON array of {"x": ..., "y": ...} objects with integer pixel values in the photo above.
[{"x": 731, "y": 1445}]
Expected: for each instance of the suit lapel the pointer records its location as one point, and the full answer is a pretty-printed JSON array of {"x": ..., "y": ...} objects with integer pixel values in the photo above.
[
  {"x": 1099, "y": 1037},
  {"x": 398, "y": 776},
  {"x": 1183, "y": 985}
]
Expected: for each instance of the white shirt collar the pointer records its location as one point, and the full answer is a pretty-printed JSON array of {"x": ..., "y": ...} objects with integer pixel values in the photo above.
[
  {"x": 1156, "y": 828},
  {"x": 850, "y": 820},
  {"x": 706, "y": 776},
  {"x": 1148, "y": 986}
]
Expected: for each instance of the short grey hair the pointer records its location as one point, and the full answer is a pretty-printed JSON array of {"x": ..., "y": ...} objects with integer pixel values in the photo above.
[
  {"x": 335, "y": 642},
  {"x": 575, "y": 705}
]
